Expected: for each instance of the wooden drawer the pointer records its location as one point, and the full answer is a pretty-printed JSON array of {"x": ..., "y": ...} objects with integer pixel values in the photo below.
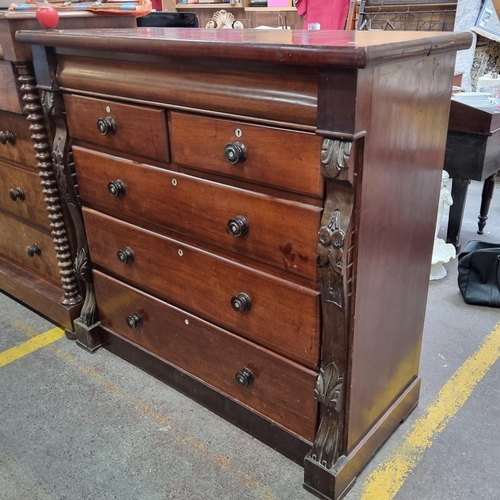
[
  {"x": 138, "y": 129},
  {"x": 19, "y": 146},
  {"x": 21, "y": 195},
  {"x": 283, "y": 316},
  {"x": 282, "y": 158},
  {"x": 281, "y": 390},
  {"x": 16, "y": 237},
  {"x": 9, "y": 96},
  {"x": 203, "y": 209}
]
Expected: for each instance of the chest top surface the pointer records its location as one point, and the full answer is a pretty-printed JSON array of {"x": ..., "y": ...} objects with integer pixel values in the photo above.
[{"x": 357, "y": 49}]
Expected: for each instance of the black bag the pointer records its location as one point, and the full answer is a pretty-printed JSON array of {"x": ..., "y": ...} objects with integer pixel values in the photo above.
[{"x": 479, "y": 273}]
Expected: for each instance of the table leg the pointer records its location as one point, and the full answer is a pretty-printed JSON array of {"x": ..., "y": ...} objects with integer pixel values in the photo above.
[
  {"x": 459, "y": 189},
  {"x": 487, "y": 195}
]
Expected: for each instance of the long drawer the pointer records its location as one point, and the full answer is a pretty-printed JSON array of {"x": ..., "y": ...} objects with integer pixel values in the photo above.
[
  {"x": 270, "y": 310},
  {"x": 29, "y": 248},
  {"x": 15, "y": 139},
  {"x": 140, "y": 130},
  {"x": 21, "y": 195},
  {"x": 277, "y": 388},
  {"x": 282, "y": 158},
  {"x": 278, "y": 232}
]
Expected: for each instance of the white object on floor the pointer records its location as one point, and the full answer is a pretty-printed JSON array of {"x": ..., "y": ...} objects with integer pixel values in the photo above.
[{"x": 442, "y": 252}]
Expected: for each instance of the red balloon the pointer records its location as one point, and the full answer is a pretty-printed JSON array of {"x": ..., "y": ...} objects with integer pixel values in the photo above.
[{"x": 47, "y": 16}]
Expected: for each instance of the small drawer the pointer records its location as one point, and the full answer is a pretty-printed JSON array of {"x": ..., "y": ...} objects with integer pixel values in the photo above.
[
  {"x": 134, "y": 129},
  {"x": 15, "y": 139},
  {"x": 250, "y": 224},
  {"x": 281, "y": 158},
  {"x": 257, "y": 378},
  {"x": 28, "y": 247},
  {"x": 21, "y": 195},
  {"x": 9, "y": 93},
  {"x": 272, "y": 311}
]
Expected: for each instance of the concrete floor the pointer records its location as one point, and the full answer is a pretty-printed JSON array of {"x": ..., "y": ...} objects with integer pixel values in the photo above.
[{"x": 80, "y": 426}]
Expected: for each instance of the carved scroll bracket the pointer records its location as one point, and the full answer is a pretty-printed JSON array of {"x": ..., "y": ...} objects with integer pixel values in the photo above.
[
  {"x": 87, "y": 325},
  {"x": 335, "y": 260}
]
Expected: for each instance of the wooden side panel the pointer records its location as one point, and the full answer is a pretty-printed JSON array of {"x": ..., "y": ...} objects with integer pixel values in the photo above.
[
  {"x": 281, "y": 316},
  {"x": 21, "y": 195},
  {"x": 281, "y": 391},
  {"x": 401, "y": 180},
  {"x": 280, "y": 233}
]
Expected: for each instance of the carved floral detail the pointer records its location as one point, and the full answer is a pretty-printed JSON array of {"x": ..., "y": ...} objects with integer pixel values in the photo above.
[
  {"x": 328, "y": 392},
  {"x": 335, "y": 155},
  {"x": 47, "y": 100}
]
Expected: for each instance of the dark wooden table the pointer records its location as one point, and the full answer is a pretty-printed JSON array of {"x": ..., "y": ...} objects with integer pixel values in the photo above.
[{"x": 472, "y": 153}]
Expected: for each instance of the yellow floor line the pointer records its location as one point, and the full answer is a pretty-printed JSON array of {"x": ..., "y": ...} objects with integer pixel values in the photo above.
[
  {"x": 386, "y": 480},
  {"x": 31, "y": 345}
]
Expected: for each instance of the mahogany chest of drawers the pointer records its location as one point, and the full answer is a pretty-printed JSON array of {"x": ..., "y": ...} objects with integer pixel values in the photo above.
[
  {"x": 260, "y": 211},
  {"x": 37, "y": 237}
]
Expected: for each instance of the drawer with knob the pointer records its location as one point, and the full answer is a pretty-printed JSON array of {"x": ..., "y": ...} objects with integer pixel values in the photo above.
[
  {"x": 271, "y": 311},
  {"x": 29, "y": 248},
  {"x": 133, "y": 129},
  {"x": 15, "y": 139},
  {"x": 259, "y": 379},
  {"x": 252, "y": 224},
  {"x": 21, "y": 195},
  {"x": 276, "y": 157}
]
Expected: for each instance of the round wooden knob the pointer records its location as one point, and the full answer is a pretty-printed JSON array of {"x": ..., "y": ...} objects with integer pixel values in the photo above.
[
  {"x": 235, "y": 152},
  {"x": 134, "y": 321},
  {"x": 125, "y": 255},
  {"x": 7, "y": 137},
  {"x": 106, "y": 126},
  {"x": 16, "y": 194},
  {"x": 238, "y": 226},
  {"x": 241, "y": 303},
  {"x": 244, "y": 377},
  {"x": 116, "y": 188},
  {"x": 33, "y": 250}
]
